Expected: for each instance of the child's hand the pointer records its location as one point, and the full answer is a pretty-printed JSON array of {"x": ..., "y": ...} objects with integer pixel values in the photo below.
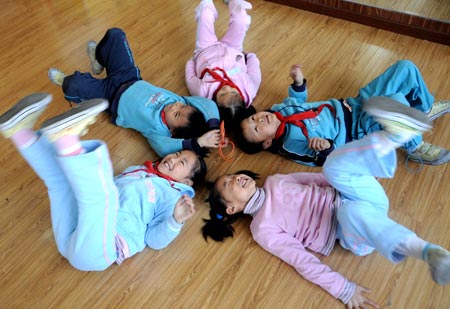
[
  {"x": 358, "y": 300},
  {"x": 318, "y": 144},
  {"x": 184, "y": 209},
  {"x": 210, "y": 139},
  {"x": 297, "y": 74}
]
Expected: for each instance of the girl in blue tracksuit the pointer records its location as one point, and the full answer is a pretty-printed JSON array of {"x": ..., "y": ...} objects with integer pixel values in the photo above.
[
  {"x": 336, "y": 122},
  {"x": 139, "y": 105},
  {"x": 98, "y": 219}
]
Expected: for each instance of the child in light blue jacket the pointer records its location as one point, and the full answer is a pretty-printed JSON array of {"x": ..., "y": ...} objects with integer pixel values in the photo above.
[
  {"x": 168, "y": 121},
  {"x": 99, "y": 219}
]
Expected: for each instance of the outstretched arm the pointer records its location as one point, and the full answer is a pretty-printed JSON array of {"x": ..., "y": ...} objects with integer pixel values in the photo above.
[
  {"x": 193, "y": 83},
  {"x": 297, "y": 89},
  {"x": 292, "y": 251},
  {"x": 254, "y": 75}
]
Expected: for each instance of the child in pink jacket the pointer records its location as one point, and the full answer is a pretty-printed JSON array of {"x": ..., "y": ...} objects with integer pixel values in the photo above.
[{"x": 220, "y": 70}]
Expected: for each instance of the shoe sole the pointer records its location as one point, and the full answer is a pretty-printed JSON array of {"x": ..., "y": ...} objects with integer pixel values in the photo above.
[
  {"x": 437, "y": 115},
  {"x": 85, "y": 110},
  {"x": 386, "y": 108},
  {"x": 25, "y": 107}
]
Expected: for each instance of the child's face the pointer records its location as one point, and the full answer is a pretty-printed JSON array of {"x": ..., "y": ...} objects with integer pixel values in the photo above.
[
  {"x": 179, "y": 166},
  {"x": 177, "y": 115},
  {"x": 260, "y": 128},
  {"x": 235, "y": 190},
  {"x": 226, "y": 96}
]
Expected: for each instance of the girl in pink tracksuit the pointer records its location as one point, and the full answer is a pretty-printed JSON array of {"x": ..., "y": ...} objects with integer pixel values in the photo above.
[
  {"x": 296, "y": 214},
  {"x": 220, "y": 70}
]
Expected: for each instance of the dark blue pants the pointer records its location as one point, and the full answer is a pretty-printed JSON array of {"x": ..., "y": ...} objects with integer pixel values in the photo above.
[{"x": 113, "y": 53}]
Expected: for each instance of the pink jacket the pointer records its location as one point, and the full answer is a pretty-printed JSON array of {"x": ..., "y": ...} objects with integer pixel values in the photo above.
[
  {"x": 298, "y": 214},
  {"x": 243, "y": 70}
]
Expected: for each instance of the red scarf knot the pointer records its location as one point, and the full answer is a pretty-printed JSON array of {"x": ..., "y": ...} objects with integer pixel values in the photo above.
[
  {"x": 297, "y": 119},
  {"x": 224, "y": 80}
]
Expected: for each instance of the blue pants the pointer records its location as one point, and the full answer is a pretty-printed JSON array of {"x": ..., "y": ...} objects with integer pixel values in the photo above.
[
  {"x": 363, "y": 219},
  {"x": 83, "y": 202},
  {"x": 401, "y": 82},
  {"x": 113, "y": 53}
]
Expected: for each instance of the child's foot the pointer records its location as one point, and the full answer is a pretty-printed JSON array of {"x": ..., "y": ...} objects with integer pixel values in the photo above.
[
  {"x": 429, "y": 154},
  {"x": 24, "y": 114},
  {"x": 438, "y": 109},
  {"x": 74, "y": 121},
  {"x": 438, "y": 260},
  {"x": 400, "y": 121},
  {"x": 96, "y": 67},
  {"x": 239, "y": 5},
  {"x": 56, "y": 76},
  {"x": 203, "y": 5}
]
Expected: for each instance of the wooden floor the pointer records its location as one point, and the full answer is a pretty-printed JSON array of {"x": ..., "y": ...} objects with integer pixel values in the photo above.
[
  {"x": 431, "y": 9},
  {"x": 338, "y": 58}
]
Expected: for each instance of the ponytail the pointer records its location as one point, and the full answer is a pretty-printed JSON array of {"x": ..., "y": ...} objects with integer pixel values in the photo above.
[{"x": 219, "y": 227}]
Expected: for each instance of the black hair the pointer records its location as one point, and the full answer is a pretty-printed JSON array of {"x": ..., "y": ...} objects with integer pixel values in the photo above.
[
  {"x": 199, "y": 172},
  {"x": 232, "y": 116},
  {"x": 219, "y": 226},
  {"x": 235, "y": 100},
  {"x": 245, "y": 145},
  {"x": 195, "y": 127}
]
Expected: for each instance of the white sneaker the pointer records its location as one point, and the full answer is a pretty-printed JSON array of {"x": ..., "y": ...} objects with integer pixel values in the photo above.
[
  {"x": 24, "y": 114},
  {"x": 400, "y": 121},
  {"x": 438, "y": 260},
  {"x": 438, "y": 109},
  {"x": 56, "y": 76},
  {"x": 75, "y": 121},
  {"x": 96, "y": 67}
]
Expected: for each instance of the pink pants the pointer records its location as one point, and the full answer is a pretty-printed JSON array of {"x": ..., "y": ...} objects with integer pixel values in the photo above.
[{"x": 206, "y": 14}]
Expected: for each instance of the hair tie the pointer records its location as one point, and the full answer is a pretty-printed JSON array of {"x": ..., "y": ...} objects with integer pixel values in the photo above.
[{"x": 219, "y": 216}]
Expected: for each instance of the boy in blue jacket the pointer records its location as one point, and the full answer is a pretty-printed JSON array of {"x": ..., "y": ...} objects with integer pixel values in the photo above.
[
  {"x": 99, "y": 219},
  {"x": 308, "y": 132},
  {"x": 168, "y": 121}
]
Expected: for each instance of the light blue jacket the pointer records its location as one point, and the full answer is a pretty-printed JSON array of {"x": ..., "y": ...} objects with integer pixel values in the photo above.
[{"x": 145, "y": 215}]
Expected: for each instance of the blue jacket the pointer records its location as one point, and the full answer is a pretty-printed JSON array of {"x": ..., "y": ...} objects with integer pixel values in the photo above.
[
  {"x": 328, "y": 125},
  {"x": 140, "y": 108}
]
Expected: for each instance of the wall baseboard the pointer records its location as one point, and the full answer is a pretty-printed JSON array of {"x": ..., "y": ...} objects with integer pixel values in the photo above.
[{"x": 412, "y": 25}]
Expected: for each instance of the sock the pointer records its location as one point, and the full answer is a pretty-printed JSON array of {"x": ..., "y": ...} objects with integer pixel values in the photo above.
[
  {"x": 412, "y": 246},
  {"x": 24, "y": 138},
  {"x": 69, "y": 145}
]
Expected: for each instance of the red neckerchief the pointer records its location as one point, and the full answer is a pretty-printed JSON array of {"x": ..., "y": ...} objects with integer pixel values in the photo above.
[
  {"x": 163, "y": 117},
  {"x": 224, "y": 80},
  {"x": 297, "y": 119},
  {"x": 152, "y": 168}
]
